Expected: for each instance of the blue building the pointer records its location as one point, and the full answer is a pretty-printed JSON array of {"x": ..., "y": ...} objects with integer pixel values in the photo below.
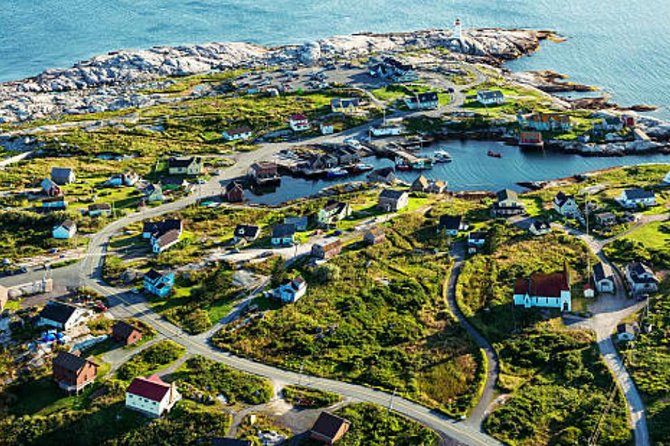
[{"x": 157, "y": 283}]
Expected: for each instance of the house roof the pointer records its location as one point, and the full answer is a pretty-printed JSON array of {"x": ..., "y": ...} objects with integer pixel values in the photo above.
[
  {"x": 264, "y": 166},
  {"x": 422, "y": 182},
  {"x": 239, "y": 130},
  {"x": 605, "y": 216},
  {"x": 641, "y": 273},
  {"x": 328, "y": 425},
  {"x": 247, "y": 230},
  {"x": 283, "y": 230},
  {"x": 490, "y": 94},
  {"x": 100, "y": 207},
  {"x": 233, "y": 185},
  {"x": 180, "y": 162},
  {"x": 560, "y": 199},
  {"x": 601, "y": 272},
  {"x": 392, "y": 194},
  {"x": 154, "y": 275},
  {"x": 507, "y": 194},
  {"x": 548, "y": 117},
  {"x": 298, "y": 117},
  {"x": 123, "y": 329},
  {"x": 67, "y": 224},
  {"x": 57, "y": 311},
  {"x": 345, "y": 102},
  {"x": 451, "y": 222},
  {"x": 429, "y": 96},
  {"x": 638, "y": 194},
  {"x": 337, "y": 244},
  {"x": 157, "y": 228},
  {"x": 334, "y": 205},
  {"x": 169, "y": 237},
  {"x": 540, "y": 225},
  {"x": 543, "y": 285},
  {"x": 152, "y": 388},
  {"x": 69, "y": 361},
  {"x": 61, "y": 172}
]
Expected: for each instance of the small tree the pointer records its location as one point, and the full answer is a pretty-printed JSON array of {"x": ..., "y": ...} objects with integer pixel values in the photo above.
[
  {"x": 327, "y": 273},
  {"x": 278, "y": 271}
]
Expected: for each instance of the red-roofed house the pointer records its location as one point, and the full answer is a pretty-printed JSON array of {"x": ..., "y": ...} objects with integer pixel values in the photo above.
[
  {"x": 298, "y": 123},
  {"x": 151, "y": 396},
  {"x": 544, "y": 290}
]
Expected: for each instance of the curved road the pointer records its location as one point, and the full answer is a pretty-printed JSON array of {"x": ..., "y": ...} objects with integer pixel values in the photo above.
[{"x": 480, "y": 412}]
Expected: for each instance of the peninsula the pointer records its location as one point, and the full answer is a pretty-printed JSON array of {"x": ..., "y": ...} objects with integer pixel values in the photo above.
[{"x": 147, "y": 295}]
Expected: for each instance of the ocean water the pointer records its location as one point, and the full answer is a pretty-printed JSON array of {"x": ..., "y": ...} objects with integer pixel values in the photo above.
[{"x": 621, "y": 45}]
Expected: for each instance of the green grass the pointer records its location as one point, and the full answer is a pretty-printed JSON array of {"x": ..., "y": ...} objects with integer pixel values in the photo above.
[
  {"x": 302, "y": 396},
  {"x": 654, "y": 236},
  {"x": 151, "y": 360},
  {"x": 214, "y": 378},
  {"x": 382, "y": 322}
]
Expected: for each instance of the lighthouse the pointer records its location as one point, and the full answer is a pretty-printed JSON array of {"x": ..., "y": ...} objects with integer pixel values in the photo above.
[{"x": 458, "y": 30}]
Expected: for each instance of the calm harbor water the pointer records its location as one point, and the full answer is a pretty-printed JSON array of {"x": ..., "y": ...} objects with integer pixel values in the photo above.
[{"x": 472, "y": 169}]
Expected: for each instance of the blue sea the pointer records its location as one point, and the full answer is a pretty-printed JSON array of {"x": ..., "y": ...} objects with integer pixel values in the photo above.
[{"x": 621, "y": 45}]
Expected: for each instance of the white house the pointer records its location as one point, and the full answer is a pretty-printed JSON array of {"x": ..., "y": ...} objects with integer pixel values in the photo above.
[
  {"x": 452, "y": 225},
  {"x": 603, "y": 278},
  {"x": 62, "y": 316},
  {"x": 390, "y": 127},
  {"x": 238, "y": 134},
  {"x": 566, "y": 205},
  {"x": 299, "y": 123},
  {"x": 540, "y": 227},
  {"x": 151, "y": 396},
  {"x": 326, "y": 128},
  {"x": 65, "y": 230},
  {"x": 291, "y": 290},
  {"x": 666, "y": 180},
  {"x": 544, "y": 290},
  {"x": 641, "y": 279},
  {"x": 633, "y": 198},
  {"x": 490, "y": 97}
]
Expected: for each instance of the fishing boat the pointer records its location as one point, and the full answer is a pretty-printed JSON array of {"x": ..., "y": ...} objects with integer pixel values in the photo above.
[
  {"x": 361, "y": 167},
  {"x": 493, "y": 154},
  {"x": 336, "y": 172},
  {"x": 442, "y": 156}
]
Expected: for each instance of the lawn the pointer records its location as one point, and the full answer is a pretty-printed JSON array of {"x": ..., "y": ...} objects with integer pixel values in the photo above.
[
  {"x": 207, "y": 377},
  {"x": 382, "y": 322},
  {"x": 151, "y": 360},
  {"x": 301, "y": 396}
]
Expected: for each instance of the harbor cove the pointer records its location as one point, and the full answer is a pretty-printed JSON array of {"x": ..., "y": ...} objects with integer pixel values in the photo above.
[{"x": 470, "y": 170}]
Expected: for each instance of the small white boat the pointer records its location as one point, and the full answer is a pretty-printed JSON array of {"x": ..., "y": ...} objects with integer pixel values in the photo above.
[
  {"x": 442, "y": 156},
  {"x": 336, "y": 172}
]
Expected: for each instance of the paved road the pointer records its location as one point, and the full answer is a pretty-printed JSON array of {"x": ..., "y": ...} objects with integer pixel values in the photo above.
[
  {"x": 481, "y": 411},
  {"x": 608, "y": 312}
]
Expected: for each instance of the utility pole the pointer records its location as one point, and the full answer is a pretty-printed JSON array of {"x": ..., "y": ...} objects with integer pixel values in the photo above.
[{"x": 391, "y": 401}]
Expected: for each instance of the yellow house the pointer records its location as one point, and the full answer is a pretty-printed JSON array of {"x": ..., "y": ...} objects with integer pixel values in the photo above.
[
  {"x": 345, "y": 105},
  {"x": 185, "y": 165}
]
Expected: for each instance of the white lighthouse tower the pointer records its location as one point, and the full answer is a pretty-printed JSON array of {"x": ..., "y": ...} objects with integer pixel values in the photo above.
[{"x": 458, "y": 30}]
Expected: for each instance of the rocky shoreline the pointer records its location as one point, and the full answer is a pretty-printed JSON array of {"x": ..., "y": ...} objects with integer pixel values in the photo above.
[{"x": 117, "y": 80}]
